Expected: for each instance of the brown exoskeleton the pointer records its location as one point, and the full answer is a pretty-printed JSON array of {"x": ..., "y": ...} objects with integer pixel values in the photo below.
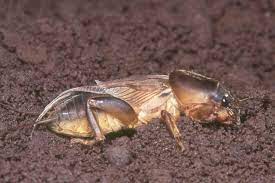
[{"x": 94, "y": 111}]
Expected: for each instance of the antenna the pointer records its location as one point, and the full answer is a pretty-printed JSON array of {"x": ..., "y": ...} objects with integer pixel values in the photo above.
[{"x": 245, "y": 99}]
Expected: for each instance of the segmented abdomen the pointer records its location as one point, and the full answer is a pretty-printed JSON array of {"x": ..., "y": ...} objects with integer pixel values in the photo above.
[
  {"x": 71, "y": 119},
  {"x": 73, "y": 108}
]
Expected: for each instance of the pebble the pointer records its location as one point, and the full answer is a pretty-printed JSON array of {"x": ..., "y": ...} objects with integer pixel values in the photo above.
[
  {"x": 119, "y": 156},
  {"x": 33, "y": 54}
]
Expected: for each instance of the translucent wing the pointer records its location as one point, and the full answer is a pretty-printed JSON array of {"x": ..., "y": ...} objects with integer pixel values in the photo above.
[{"x": 136, "y": 90}]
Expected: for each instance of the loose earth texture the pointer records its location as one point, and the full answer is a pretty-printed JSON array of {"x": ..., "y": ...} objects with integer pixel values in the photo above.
[{"x": 50, "y": 46}]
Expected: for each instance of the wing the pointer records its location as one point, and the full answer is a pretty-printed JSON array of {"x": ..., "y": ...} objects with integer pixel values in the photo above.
[
  {"x": 67, "y": 94},
  {"x": 136, "y": 90}
]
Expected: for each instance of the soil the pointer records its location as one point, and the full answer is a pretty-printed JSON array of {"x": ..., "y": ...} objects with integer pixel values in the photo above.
[{"x": 49, "y": 46}]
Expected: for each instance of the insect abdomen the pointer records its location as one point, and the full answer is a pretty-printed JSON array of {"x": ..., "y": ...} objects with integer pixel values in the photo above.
[
  {"x": 71, "y": 118},
  {"x": 73, "y": 109}
]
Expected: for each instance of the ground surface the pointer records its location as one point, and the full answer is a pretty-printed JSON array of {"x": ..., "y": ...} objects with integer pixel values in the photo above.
[{"x": 47, "y": 47}]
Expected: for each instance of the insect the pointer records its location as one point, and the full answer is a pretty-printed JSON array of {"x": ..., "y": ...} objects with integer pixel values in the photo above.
[{"x": 94, "y": 111}]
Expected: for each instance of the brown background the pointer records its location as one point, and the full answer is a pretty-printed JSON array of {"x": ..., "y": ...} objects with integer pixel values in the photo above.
[{"x": 50, "y": 46}]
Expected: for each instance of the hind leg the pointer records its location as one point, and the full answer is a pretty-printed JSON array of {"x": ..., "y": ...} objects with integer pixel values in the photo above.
[
  {"x": 99, "y": 136},
  {"x": 113, "y": 106}
]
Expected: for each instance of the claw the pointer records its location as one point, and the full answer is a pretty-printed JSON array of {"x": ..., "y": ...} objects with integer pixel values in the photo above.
[{"x": 180, "y": 144}]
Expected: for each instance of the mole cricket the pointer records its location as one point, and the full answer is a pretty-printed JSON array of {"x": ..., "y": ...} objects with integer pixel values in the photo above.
[{"x": 88, "y": 113}]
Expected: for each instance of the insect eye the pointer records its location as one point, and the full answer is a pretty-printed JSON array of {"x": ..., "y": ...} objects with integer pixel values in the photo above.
[{"x": 225, "y": 102}]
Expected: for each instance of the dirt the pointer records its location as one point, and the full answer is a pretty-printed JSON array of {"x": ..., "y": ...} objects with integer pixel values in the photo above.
[{"x": 50, "y": 46}]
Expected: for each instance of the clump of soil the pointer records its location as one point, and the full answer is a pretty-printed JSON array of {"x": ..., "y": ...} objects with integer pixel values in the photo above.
[{"x": 50, "y": 46}]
